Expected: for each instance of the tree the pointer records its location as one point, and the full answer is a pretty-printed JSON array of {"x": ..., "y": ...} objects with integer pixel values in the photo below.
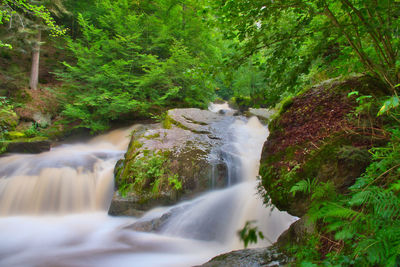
[
  {"x": 135, "y": 58},
  {"x": 366, "y": 30},
  {"x": 30, "y": 19}
]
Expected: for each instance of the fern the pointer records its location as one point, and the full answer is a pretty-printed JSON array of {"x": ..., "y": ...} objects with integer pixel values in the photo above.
[{"x": 304, "y": 186}]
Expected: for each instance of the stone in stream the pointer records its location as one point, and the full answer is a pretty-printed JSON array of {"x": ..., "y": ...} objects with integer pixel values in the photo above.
[
  {"x": 26, "y": 145},
  {"x": 175, "y": 160},
  {"x": 257, "y": 257}
]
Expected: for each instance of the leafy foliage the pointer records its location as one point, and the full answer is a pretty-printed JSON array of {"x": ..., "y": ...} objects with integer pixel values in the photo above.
[
  {"x": 300, "y": 43},
  {"x": 150, "y": 173},
  {"x": 18, "y": 12},
  {"x": 250, "y": 234},
  {"x": 305, "y": 186},
  {"x": 133, "y": 59},
  {"x": 365, "y": 223}
]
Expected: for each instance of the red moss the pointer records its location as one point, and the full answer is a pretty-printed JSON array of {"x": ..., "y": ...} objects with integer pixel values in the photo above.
[{"x": 312, "y": 117}]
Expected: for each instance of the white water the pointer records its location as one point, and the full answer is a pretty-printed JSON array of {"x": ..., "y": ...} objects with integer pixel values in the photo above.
[
  {"x": 224, "y": 108},
  {"x": 53, "y": 209}
]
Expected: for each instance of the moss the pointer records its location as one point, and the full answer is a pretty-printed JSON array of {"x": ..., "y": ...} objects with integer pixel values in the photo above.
[
  {"x": 308, "y": 140},
  {"x": 152, "y": 136},
  {"x": 285, "y": 104},
  {"x": 15, "y": 135},
  {"x": 30, "y": 140},
  {"x": 4, "y": 144},
  {"x": 147, "y": 175},
  {"x": 167, "y": 122},
  {"x": 8, "y": 119}
]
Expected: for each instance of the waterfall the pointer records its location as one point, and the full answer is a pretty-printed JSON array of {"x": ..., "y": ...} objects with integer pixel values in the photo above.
[
  {"x": 67, "y": 179},
  {"x": 53, "y": 208}
]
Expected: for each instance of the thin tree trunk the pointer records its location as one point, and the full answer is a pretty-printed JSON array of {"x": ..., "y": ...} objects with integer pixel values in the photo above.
[{"x": 33, "y": 83}]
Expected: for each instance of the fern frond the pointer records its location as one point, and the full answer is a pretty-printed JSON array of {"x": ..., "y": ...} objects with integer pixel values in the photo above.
[
  {"x": 301, "y": 186},
  {"x": 337, "y": 211},
  {"x": 360, "y": 198}
]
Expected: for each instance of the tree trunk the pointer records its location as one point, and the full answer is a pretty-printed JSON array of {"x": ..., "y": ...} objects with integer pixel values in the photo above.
[{"x": 33, "y": 83}]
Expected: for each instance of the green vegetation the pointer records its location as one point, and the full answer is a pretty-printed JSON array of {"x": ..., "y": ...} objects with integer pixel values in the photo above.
[
  {"x": 361, "y": 227},
  {"x": 149, "y": 176},
  {"x": 250, "y": 234},
  {"x": 300, "y": 43},
  {"x": 333, "y": 152}
]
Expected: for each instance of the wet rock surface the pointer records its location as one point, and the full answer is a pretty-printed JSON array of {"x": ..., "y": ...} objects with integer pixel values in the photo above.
[
  {"x": 258, "y": 257},
  {"x": 193, "y": 142}
]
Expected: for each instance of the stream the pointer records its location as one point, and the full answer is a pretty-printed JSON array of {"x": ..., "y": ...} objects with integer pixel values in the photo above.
[{"x": 53, "y": 208}]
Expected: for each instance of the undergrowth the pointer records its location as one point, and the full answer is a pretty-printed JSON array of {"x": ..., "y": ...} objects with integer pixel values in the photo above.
[
  {"x": 150, "y": 173},
  {"x": 362, "y": 227}
]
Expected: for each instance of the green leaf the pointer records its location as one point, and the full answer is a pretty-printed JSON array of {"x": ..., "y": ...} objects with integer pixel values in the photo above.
[{"x": 389, "y": 104}]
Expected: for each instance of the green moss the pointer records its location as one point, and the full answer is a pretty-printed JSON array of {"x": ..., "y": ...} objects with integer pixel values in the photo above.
[
  {"x": 8, "y": 118},
  {"x": 54, "y": 131},
  {"x": 29, "y": 140},
  {"x": 147, "y": 175},
  {"x": 285, "y": 104},
  {"x": 152, "y": 136},
  {"x": 167, "y": 122},
  {"x": 334, "y": 160},
  {"x": 15, "y": 135},
  {"x": 4, "y": 144}
]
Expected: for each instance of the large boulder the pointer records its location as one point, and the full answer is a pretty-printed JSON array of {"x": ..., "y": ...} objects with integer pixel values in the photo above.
[
  {"x": 320, "y": 138},
  {"x": 169, "y": 161}
]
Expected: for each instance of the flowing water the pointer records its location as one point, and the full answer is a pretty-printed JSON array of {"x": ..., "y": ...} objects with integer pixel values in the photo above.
[{"x": 53, "y": 208}]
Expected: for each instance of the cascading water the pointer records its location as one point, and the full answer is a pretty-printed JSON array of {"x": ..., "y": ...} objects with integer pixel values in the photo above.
[{"x": 53, "y": 208}]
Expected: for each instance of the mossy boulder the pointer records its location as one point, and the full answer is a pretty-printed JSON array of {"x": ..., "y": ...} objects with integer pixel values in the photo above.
[
  {"x": 26, "y": 145},
  {"x": 319, "y": 137},
  {"x": 168, "y": 161}
]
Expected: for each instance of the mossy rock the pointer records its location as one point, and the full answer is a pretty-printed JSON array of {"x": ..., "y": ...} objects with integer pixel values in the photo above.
[
  {"x": 316, "y": 139},
  {"x": 26, "y": 145},
  {"x": 164, "y": 164}
]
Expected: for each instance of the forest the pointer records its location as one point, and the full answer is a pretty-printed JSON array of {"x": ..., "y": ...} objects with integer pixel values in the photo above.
[{"x": 69, "y": 67}]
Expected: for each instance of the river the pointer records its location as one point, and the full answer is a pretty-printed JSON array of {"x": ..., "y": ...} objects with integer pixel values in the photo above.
[{"x": 53, "y": 209}]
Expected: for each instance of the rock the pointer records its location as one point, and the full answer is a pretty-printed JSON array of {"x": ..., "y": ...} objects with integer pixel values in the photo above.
[
  {"x": 43, "y": 120},
  {"x": 186, "y": 153},
  {"x": 26, "y": 145},
  {"x": 193, "y": 119},
  {"x": 263, "y": 114},
  {"x": 133, "y": 205},
  {"x": 317, "y": 137},
  {"x": 152, "y": 225},
  {"x": 256, "y": 257},
  {"x": 298, "y": 232}
]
